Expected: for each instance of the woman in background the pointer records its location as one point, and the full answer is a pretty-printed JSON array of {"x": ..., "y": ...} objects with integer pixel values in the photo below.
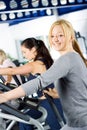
[
  {"x": 40, "y": 60},
  {"x": 7, "y": 62}
]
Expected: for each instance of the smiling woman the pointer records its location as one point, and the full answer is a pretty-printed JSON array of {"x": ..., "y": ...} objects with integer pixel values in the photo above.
[{"x": 64, "y": 73}]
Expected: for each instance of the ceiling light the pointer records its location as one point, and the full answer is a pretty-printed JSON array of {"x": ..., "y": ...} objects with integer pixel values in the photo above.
[
  {"x": 3, "y": 17},
  {"x": 71, "y": 1},
  {"x": 48, "y": 11},
  {"x": 12, "y": 16},
  {"x": 13, "y": 4},
  {"x": 24, "y": 4},
  {"x": 19, "y": 14},
  {"x": 27, "y": 13},
  {"x": 63, "y": 2},
  {"x": 54, "y": 2},
  {"x": 2, "y": 5},
  {"x": 45, "y": 2},
  {"x": 35, "y": 3}
]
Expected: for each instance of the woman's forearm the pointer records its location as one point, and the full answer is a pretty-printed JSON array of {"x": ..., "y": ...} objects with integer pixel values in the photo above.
[
  {"x": 8, "y": 71},
  {"x": 22, "y": 70},
  {"x": 13, "y": 94}
]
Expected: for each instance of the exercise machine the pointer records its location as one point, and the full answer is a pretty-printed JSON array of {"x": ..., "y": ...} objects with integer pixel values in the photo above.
[
  {"x": 18, "y": 115},
  {"x": 50, "y": 100}
]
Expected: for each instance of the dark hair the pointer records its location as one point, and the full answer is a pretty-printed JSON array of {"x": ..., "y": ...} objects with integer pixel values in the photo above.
[{"x": 42, "y": 51}]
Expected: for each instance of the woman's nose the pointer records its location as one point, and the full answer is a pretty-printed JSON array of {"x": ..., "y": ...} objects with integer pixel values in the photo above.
[{"x": 56, "y": 38}]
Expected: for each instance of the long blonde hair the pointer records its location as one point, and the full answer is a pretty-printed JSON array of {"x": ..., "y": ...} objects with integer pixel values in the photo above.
[
  {"x": 68, "y": 31},
  {"x": 3, "y": 56}
]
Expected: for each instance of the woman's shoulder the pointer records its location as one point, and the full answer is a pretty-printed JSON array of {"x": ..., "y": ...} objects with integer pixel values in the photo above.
[
  {"x": 70, "y": 55},
  {"x": 67, "y": 59},
  {"x": 33, "y": 66}
]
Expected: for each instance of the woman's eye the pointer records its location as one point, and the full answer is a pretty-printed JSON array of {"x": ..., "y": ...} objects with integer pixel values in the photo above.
[
  {"x": 61, "y": 35},
  {"x": 52, "y": 36}
]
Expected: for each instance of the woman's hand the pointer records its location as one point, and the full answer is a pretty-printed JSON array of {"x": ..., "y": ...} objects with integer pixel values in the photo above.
[
  {"x": 12, "y": 94},
  {"x": 52, "y": 92}
]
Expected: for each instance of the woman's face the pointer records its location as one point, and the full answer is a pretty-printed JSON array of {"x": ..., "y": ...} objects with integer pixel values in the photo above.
[
  {"x": 58, "y": 39},
  {"x": 28, "y": 53}
]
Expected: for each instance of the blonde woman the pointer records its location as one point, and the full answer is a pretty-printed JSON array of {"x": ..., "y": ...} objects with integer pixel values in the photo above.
[
  {"x": 7, "y": 62},
  {"x": 69, "y": 73}
]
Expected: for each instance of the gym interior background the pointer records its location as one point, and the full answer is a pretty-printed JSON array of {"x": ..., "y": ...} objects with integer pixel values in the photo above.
[
  {"x": 20, "y": 19},
  {"x": 33, "y": 18}
]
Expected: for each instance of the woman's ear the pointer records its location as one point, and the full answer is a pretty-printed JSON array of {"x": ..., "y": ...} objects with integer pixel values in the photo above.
[
  {"x": 72, "y": 39},
  {"x": 33, "y": 49}
]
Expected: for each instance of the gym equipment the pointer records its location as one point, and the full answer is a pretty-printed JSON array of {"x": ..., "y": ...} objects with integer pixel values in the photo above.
[
  {"x": 52, "y": 104},
  {"x": 18, "y": 115},
  {"x": 50, "y": 100}
]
